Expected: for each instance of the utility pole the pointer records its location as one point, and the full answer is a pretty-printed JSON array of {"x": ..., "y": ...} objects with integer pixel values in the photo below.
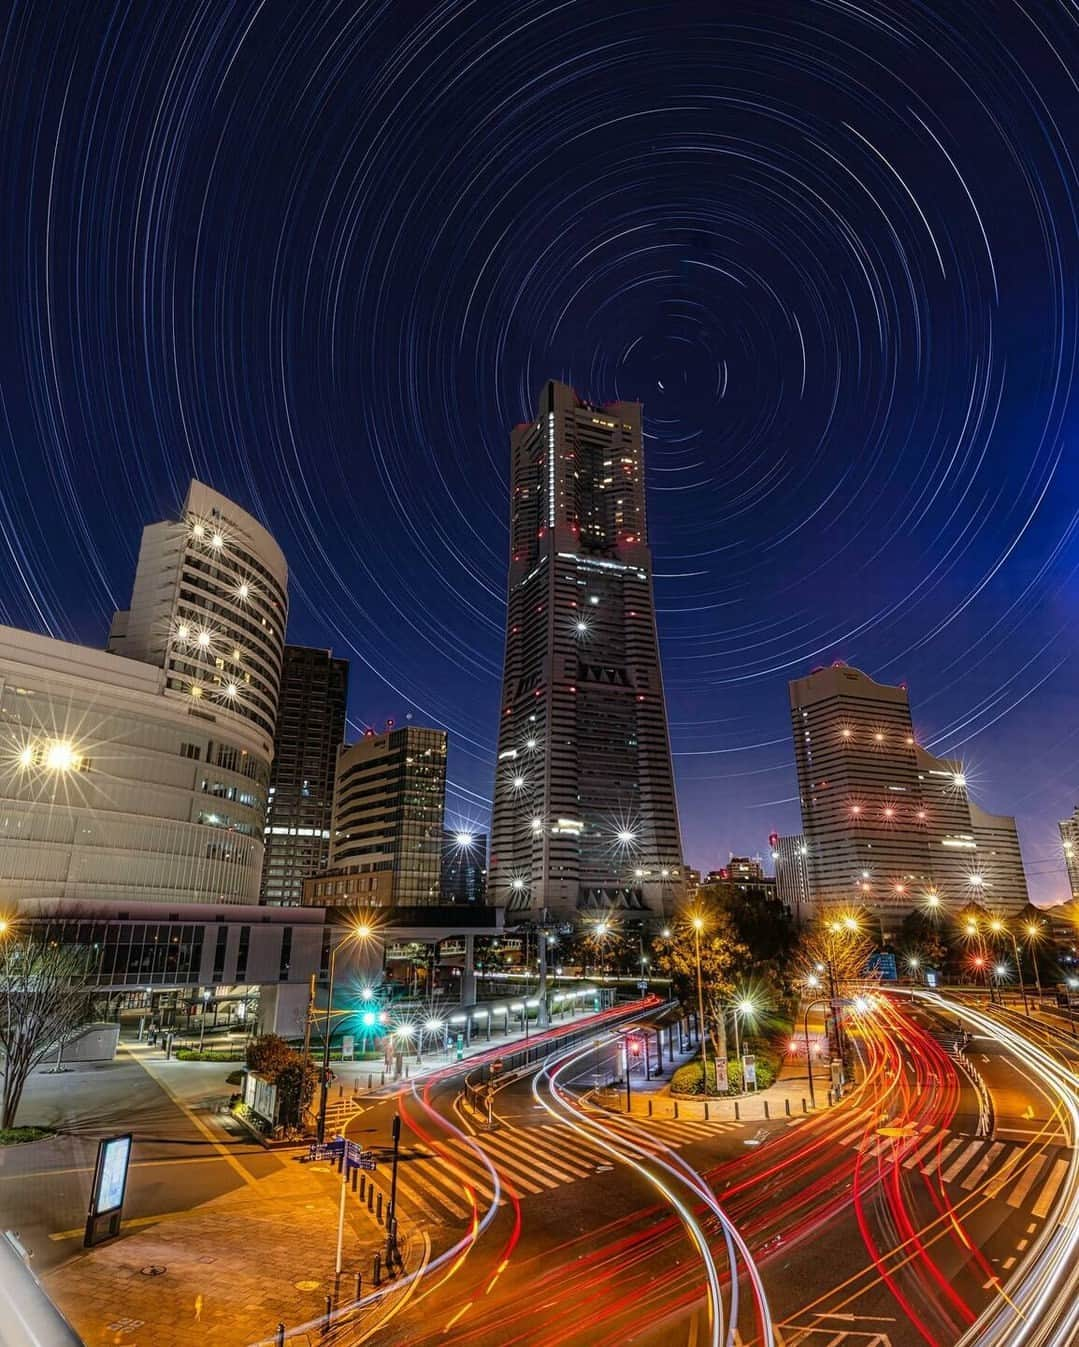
[
  {"x": 310, "y": 1016},
  {"x": 391, "y": 1214}
]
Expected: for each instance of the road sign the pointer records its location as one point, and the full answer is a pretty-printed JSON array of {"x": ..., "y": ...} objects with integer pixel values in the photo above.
[
  {"x": 357, "y": 1158},
  {"x": 348, "y": 1047}
]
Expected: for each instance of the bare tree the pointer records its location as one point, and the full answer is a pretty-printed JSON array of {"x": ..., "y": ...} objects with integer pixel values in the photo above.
[{"x": 43, "y": 997}]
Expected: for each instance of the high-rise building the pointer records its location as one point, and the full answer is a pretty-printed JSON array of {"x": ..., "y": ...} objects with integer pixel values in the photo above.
[
  {"x": 209, "y": 606},
  {"x": 792, "y": 873},
  {"x": 310, "y": 730},
  {"x": 886, "y": 824},
  {"x": 1069, "y": 840},
  {"x": 584, "y": 813},
  {"x": 464, "y": 866},
  {"x": 386, "y": 837}
]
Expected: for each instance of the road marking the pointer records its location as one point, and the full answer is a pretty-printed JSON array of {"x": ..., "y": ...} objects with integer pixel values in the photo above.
[
  {"x": 979, "y": 1171},
  {"x": 1026, "y": 1180},
  {"x": 1003, "y": 1174},
  {"x": 922, "y": 1151},
  {"x": 1049, "y": 1190},
  {"x": 937, "y": 1160},
  {"x": 190, "y": 1113},
  {"x": 131, "y": 1224},
  {"x": 958, "y": 1165}
]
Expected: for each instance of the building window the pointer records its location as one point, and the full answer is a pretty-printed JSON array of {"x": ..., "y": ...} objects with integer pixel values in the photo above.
[
  {"x": 191, "y": 751},
  {"x": 219, "y": 953},
  {"x": 241, "y": 956},
  {"x": 286, "y": 954}
]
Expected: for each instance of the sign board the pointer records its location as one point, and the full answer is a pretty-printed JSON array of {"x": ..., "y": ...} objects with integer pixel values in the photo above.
[
  {"x": 749, "y": 1073},
  {"x": 930, "y": 978},
  {"x": 459, "y": 1047},
  {"x": 723, "y": 1080},
  {"x": 348, "y": 1047},
  {"x": 260, "y": 1096},
  {"x": 883, "y": 962},
  {"x": 107, "y": 1192}
]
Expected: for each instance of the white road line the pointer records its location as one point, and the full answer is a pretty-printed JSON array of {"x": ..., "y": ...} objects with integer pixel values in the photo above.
[
  {"x": 1026, "y": 1180},
  {"x": 922, "y": 1151},
  {"x": 546, "y": 1152},
  {"x": 1003, "y": 1174},
  {"x": 1049, "y": 1189},
  {"x": 937, "y": 1160},
  {"x": 979, "y": 1171},
  {"x": 960, "y": 1163}
]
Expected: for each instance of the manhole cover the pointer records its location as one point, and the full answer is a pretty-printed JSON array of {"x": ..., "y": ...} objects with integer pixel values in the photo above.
[
  {"x": 306, "y": 1286},
  {"x": 152, "y": 1271}
]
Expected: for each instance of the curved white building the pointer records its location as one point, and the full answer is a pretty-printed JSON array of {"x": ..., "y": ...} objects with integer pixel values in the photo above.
[{"x": 112, "y": 788}]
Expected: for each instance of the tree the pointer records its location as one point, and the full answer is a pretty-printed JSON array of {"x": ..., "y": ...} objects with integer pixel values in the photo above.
[
  {"x": 722, "y": 958},
  {"x": 921, "y": 936},
  {"x": 294, "y": 1075},
  {"x": 44, "y": 996}
]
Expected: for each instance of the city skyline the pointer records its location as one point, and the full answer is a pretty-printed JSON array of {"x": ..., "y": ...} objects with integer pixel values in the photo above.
[{"x": 854, "y": 452}]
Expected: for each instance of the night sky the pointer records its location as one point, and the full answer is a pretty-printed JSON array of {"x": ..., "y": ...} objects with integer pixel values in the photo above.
[{"x": 322, "y": 255}]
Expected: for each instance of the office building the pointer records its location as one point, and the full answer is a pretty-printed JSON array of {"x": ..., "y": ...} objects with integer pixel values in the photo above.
[
  {"x": 464, "y": 866},
  {"x": 209, "y": 606},
  {"x": 792, "y": 874},
  {"x": 115, "y": 789},
  {"x": 310, "y": 730},
  {"x": 584, "y": 811},
  {"x": 886, "y": 824},
  {"x": 1069, "y": 841},
  {"x": 386, "y": 836}
]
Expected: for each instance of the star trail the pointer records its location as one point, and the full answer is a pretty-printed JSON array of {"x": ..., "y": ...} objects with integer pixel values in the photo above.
[{"x": 323, "y": 255}]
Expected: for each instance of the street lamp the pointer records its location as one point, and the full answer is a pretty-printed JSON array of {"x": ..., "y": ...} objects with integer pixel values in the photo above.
[
  {"x": 745, "y": 1006},
  {"x": 1034, "y": 934},
  {"x": 361, "y": 931},
  {"x": 698, "y": 926},
  {"x": 999, "y": 927}
]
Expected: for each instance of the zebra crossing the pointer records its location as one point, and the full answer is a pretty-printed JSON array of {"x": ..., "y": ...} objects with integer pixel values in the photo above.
[
  {"x": 443, "y": 1186},
  {"x": 1026, "y": 1179}
]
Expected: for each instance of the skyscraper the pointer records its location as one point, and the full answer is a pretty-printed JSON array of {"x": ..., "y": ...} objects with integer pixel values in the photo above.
[
  {"x": 584, "y": 811},
  {"x": 886, "y": 824},
  {"x": 1069, "y": 840},
  {"x": 310, "y": 730},
  {"x": 464, "y": 866},
  {"x": 209, "y": 606},
  {"x": 389, "y": 803}
]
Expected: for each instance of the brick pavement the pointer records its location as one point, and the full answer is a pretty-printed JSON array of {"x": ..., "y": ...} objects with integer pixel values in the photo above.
[{"x": 231, "y": 1269}]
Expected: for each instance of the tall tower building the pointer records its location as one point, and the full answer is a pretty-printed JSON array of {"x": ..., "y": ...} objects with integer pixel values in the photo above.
[
  {"x": 310, "y": 730},
  {"x": 209, "y": 606},
  {"x": 389, "y": 805},
  {"x": 1069, "y": 840},
  {"x": 584, "y": 811},
  {"x": 464, "y": 867},
  {"x": 887, "y": 825}
]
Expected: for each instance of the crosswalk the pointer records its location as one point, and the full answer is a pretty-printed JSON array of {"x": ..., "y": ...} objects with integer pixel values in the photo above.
[
  {"x": 443, "y": 1186},
  {"x": 1025, "y": 1178}
]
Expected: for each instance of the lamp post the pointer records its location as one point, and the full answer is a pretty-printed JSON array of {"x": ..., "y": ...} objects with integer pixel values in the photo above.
[
  {"x": 809, "y": 1057},
  {"x": 1034, "y": 933},
  {"x": 743, "y": 1006},
  {"x": 698, "y": 925},
  {"x": 202, "y": 1018},
  {"x": 998, "y": 927},
  {"x": 361, "y": 931}
]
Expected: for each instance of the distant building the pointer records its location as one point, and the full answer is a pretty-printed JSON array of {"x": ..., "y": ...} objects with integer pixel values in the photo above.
[
  {"x": 887, "y": 825},
  {"x": 584, "y": 816},
  {"x": 738, "y": 868},
  {"x": 464, "y": 866},
  {"x": 389, "y": 802},
  {"x": 792, "y": 873},
  {"x": 1069, "y": 840},
  {"x": 310, "y": 730}
]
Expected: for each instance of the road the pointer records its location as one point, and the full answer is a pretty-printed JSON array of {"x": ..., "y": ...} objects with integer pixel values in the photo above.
[{"x": 886, "y": 1220}]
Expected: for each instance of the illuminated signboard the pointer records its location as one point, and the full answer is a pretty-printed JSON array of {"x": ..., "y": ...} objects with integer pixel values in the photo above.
[{"x": 107, "y": 1193}]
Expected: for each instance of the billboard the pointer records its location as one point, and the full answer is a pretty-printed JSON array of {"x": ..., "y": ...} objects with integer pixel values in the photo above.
[{"x": 107, "y": 1192}]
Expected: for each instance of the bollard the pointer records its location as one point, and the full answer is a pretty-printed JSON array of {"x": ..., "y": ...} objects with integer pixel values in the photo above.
[
  {"x": 676, "y": 1109},
  {"x": 359, "y": 1285},
  {"x": 354, "y": 1176},
  {"x": 805, "y": 1106},
  {"x": 787, "y": 1106},
  {"x": 706, "y": 1118},
  {"x": 737, "y": 1114},
  {"x": 329, "y": 1313},
  {"x": 766, "y": 1113},
  {"x": 378, "y": 1269},
  {"x": 649, "y": 1105},
  {"x": 378, "y": 1206},
  {"x": 280, "y": 1335},
  {"x": 371, "y": 1198},
  {"x": 382, "y": 1078},
  {"x": 370, "y": 1079}
]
